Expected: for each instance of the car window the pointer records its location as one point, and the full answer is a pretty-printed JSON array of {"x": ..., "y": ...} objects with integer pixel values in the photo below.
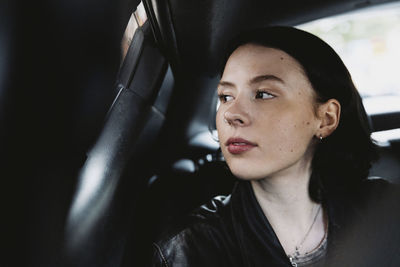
[
  {"x": 137, "y": 19},
  {"x": 368, "y": 42}
]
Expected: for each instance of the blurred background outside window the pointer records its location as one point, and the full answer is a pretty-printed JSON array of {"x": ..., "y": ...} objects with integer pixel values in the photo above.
[{"x": 368, "y": 41}]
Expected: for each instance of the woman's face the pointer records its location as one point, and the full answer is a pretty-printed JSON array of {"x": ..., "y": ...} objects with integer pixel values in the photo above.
[{"x": 266, "y": 120}]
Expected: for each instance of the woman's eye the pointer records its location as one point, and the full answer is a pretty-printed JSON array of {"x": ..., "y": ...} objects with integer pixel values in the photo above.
[
  {"x": 225, "y": 98},
  {"x": 263, "y": 95}
]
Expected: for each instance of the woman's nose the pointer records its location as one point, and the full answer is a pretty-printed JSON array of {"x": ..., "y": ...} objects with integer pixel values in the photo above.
[{"x": 236, "y": 116}]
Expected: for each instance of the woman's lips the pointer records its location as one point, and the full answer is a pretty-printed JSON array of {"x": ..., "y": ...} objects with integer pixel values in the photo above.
[{"x": 239, "y": 145}]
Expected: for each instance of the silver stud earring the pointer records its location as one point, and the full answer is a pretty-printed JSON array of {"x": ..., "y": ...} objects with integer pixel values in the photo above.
[{"x": 320, "y": 138}]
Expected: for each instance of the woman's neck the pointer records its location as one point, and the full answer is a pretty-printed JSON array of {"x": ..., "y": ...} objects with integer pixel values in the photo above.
[
  {"x": 284, "y": 192},
  {"x": 284, "y": 196},
  {"x": 286, "y": 203}
]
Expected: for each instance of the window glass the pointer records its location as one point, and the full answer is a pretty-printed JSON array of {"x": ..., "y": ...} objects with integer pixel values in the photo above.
[
  {"x": 368, "y": 42},
  {"x": 137, "y": 19}
]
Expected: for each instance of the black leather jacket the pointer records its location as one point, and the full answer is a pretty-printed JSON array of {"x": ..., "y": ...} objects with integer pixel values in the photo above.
[{"x": 232, "y": 231}]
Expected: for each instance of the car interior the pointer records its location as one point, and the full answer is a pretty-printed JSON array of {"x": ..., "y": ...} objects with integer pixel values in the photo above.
[{"x": 102, "y": 151}]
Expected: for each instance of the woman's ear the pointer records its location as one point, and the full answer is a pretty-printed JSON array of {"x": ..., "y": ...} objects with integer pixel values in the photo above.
[{"x": 329, "y": 114}]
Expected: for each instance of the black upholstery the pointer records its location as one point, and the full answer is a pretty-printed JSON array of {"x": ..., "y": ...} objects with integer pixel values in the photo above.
[
  {"x": 57, "y": 72},
  {"x": 101, "y": 214}
]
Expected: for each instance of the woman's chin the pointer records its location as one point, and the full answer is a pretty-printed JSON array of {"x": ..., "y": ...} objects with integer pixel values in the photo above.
[{"x": 247, "y": 175}]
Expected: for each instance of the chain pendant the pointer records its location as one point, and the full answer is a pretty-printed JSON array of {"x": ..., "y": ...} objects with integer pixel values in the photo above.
[{"x": 294, "y": 264}]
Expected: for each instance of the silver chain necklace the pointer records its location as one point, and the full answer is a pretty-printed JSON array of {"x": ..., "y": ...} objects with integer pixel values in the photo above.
[{"x": 294, "y": 256}]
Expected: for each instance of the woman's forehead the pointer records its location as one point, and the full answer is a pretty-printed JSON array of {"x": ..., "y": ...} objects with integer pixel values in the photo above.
[{"x": 257, "y": 59}]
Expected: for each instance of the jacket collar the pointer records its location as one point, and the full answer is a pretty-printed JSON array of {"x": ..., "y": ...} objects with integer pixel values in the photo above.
[{"x": 257, "y": 239}]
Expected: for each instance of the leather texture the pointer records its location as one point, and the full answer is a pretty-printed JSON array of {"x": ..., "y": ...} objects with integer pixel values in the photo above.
[{"x": 233, "y": 231}]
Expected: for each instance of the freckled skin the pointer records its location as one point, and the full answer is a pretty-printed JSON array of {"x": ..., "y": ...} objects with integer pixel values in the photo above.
[{"x": 284, "y": 142}]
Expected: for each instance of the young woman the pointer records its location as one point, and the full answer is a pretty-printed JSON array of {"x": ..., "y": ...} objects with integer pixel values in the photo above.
[{"x": 293, "y": 129}]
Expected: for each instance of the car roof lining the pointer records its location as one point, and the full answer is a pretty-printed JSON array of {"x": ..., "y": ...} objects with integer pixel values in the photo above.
[{"x": 197, "y": 31}]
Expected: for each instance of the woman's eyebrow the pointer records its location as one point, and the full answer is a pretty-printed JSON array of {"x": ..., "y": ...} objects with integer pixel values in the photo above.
[
  {"x": 226, "y": 84},
  {"x": 261, "y": 78},
  {"x": 253, "y": 80}
]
